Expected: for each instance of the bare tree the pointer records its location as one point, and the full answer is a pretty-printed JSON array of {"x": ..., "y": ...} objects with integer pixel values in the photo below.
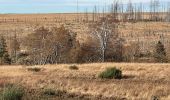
[
  {"x": 116, "y": 10},
  {"x": 154, "y": 10},
  {"x": 168, "y": 13},
  {"x": 86, "y": 15},
  {"x": 139, "y": 13},
  {"x": 130, "y": 11},
  {"x": 95, "y": 13},
  {"x": 77, "y": 11}
]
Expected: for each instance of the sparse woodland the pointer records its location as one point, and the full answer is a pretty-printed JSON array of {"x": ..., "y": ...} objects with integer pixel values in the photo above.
[{"x": 107, "y": 42}]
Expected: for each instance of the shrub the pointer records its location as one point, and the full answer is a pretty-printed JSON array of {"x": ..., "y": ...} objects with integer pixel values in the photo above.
[
  {"x": 74, "y": 67},
  {"x": 12, "y": 93},
  {"x": 49, "y": 92},
  {"x": 35, "y": 69},
  {"x": 160, "y": 53},
  {"x": 154, "y": 98},
  {"x": 111, "y": 73},
  {"x": 60, "y": 93}
]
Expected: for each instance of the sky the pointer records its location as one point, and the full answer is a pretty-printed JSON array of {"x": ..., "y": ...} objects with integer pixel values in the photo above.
[{"x": 55, "y": 6}]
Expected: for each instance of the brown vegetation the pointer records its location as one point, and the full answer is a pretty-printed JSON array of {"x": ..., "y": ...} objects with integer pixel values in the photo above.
[{"x": 139, "y": 81}]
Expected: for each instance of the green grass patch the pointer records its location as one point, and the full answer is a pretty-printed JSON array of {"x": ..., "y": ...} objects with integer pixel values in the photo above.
[
  {"x": 12, "y": 93},
  {"x": 111, "y": 73}
]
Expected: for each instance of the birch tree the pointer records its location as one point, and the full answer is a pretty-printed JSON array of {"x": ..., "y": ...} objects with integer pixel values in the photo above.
[
  {"x": 103, "y": 33},
  {"x": 51, "y": 46}
]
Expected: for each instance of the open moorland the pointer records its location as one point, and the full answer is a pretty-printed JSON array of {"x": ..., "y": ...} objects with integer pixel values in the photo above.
[
  {"x": 36, "y": 66},
  {"x": 139, "y": 82}
]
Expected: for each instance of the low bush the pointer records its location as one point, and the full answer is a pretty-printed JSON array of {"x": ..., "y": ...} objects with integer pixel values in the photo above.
[
  {"x": 49, "y": 92},
  {"x": 52, "y": 92},
  {"x": 60, "y": 93},
  {"x": 12, "y": 93},
  {"x": 35, "y": 69},
  {"x": 111, "y": 73},
  {"x": 74, "y": 67},
  {"x": 154, "y": 98}
]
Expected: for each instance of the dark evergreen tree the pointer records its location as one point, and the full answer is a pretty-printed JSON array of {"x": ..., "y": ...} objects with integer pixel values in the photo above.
[
  {"x": 6, "y": 59},
  {"x": 160, "y": 53},
  {"x": 4, "y": 56},
  {"x": 2, "y": 47}
]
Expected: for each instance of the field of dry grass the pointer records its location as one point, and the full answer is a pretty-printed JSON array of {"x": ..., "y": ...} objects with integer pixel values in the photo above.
[{"x": 141, "y": 81}]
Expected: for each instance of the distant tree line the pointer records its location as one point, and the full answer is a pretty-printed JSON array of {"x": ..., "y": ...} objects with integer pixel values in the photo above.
[{"x": 132, "y": 12}]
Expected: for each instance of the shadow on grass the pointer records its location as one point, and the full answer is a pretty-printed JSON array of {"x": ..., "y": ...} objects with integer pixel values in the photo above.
[{"x": 128, "y": 76}]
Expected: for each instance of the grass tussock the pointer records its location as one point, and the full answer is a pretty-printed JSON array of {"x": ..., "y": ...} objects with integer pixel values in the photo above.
[
  {"x": 12, "y": 92},
  {"x": 111, "y": 73},
  {"x": 49, "y": 92},
  {"x": 35, "y": 69},
  {"x": 73, "y": 67}
]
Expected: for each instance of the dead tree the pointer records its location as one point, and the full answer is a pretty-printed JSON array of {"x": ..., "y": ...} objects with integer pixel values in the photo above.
[
  {"x": 116, "y": 10},
  {"x": 77, "y": 11},
  {"x": 86, "y": 16},
  {"x": 130, "y": 11},
  {"x": 167, "y": 18},
  {"x": 95, "y": 13},
  {"x": 139, "y": 13},
  {"x": 154, "y": 10},
  {"x": 121, "y": 11}
]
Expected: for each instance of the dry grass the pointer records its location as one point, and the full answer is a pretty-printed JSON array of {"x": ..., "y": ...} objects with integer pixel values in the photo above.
[{"x": 141, "y": 81}]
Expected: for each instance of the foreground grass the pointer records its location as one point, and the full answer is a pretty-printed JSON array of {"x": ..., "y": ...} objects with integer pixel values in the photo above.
[
  {"x": 139, "y": 81},
  {"x": 12, "y": 92}
]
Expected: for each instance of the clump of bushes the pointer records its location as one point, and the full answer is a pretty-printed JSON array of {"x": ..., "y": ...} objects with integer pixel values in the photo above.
[
  {"x": 12, "y": 93},
  {"x": 73, "y": 67},
  {"x": 111, "y": 73},
  {"x": 35, "y": 69}
]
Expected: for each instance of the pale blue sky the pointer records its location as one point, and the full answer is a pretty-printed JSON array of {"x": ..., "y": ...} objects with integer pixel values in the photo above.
[{"x": 54, "y": 6}]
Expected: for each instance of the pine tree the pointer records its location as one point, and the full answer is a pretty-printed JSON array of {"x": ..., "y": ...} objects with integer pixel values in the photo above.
[
  {"x": 2, "y": 47},
  {"x": 160, "y": 53},
  {"x": 4, "y": 56},
  {"x": 6, "y": 59}
]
